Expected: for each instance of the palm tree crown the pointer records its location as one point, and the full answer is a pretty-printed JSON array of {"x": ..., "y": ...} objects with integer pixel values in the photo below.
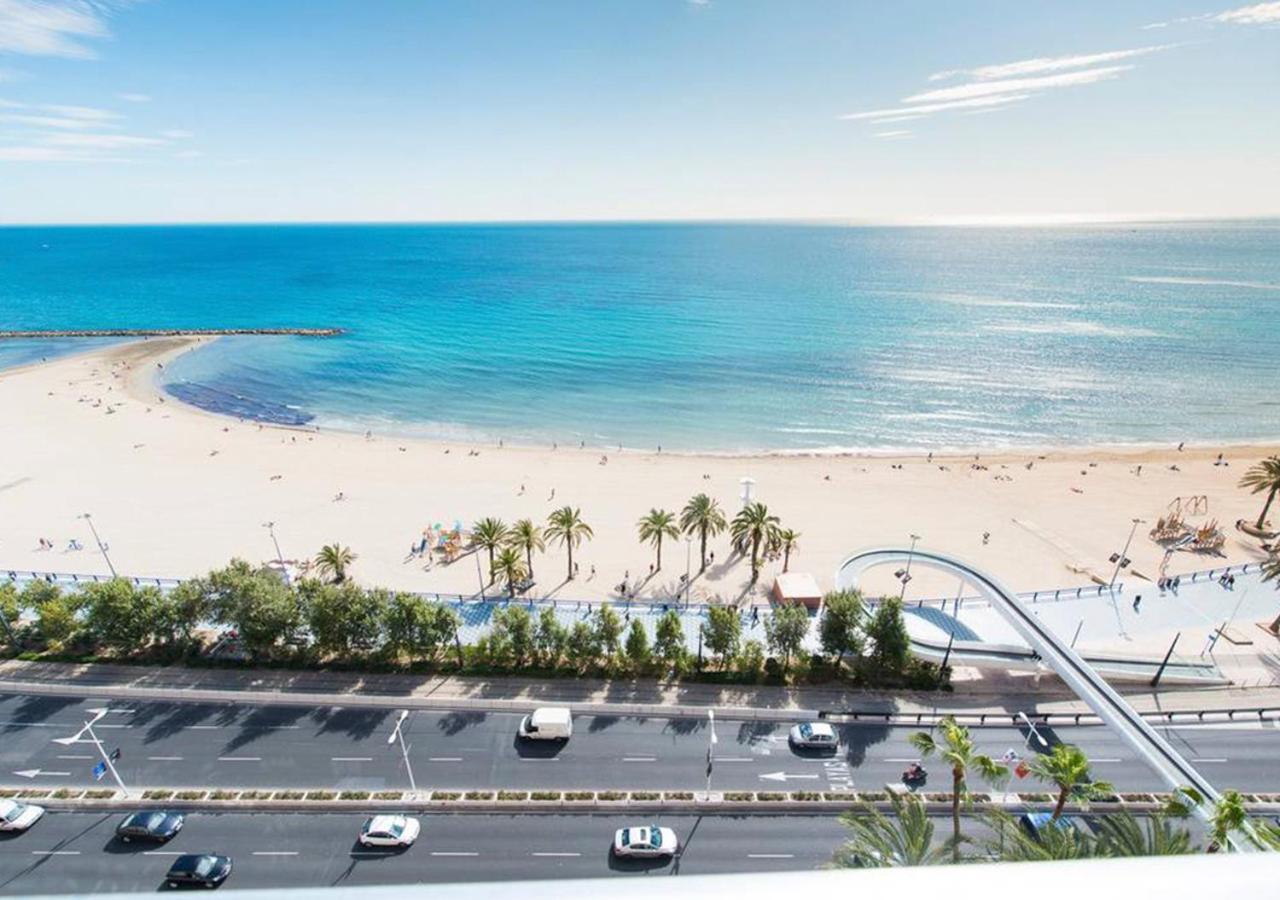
[
  {"x": 878, "y": 841},
  {"x": 788, "y": 541},
  {"x": 333, "y": 560},
  {"x": 702, "y": 516},
  {"x": 1263, "y": 477},
  {"x": 957, "y": 750},
  {"x": 1067, "y": 767},
  {"x": 656, "y": 525},
  {"x": 526, "y": 536},
  {"x": 510, "y": 567},
  {"x": 752, "y": 527},
  {"x": 565, "y": 526},
  {"x": 490, "y": 534}
]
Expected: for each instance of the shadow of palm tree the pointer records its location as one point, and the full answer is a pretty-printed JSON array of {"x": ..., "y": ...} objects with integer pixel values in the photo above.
[
  {"x": 260, "y": 721},
  {"x": 454, "y": 722},
  {"x": 357, "y": 723}
]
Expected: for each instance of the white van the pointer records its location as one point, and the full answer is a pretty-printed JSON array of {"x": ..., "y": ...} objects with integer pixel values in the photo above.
[{"x": 547, "y": 723}]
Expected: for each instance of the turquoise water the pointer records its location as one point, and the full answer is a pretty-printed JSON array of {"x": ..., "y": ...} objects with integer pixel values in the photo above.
[{"x": 717, "y": 337}]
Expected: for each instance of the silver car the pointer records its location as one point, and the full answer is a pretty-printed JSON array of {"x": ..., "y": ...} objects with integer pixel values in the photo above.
[
  {"x": 814, "y": 736},
  {"x": 645, "y": 841},
  {"x": 15, "y": 816}
]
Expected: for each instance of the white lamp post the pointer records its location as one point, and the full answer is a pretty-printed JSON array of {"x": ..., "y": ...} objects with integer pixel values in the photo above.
[
  {"x": 102, "y": 548},
  {"x": 398, "y": 733},
  {"x": 106, "y": 757}
]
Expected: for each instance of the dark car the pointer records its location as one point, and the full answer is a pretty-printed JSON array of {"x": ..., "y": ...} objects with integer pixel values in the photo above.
[
  {"x": 203, "y": 869},
  {"x": 151, "y": 825}
]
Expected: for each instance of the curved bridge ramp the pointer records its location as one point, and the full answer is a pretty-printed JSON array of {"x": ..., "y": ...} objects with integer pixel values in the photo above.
[{"x": 1053, "y": 652}]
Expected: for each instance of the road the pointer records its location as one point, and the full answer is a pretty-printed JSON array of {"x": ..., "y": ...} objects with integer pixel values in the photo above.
[
  {"x": 77, "y": 852},
  {"x": 249, "y": 746}
]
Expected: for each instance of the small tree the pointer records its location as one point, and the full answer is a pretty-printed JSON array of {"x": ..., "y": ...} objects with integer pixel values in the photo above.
[
  {"x": 343, "y": 617},
  {"x": 669, "y": 640},
  {"x": 702, "y": 516},
  {"x": 957, "y": 750},
  {"x": 1067, "y": 768},
  {"x": 119, "y": 616},
  {"x": 843, "y": 615},
  {"x": 407, "y": 618},
  {"x": 508, "y": 567},
  {"x": 10, "y": 609},
  {"x": 723, "y": 632},
  {"x": 551, "y": 637},
  {"x": 890, "y": 645},
  {"x": 752, "y": 528},
  {"x": 654, "y": 527},
  {"x": 565, "y": 525},
  {"x": 788, "y": 542},
  {"x": 255, "y": 602},
  {"x": 513, "y": 630},
  {"x": 608, "y": 630},
  {"x": 876, "y": 841},
  {"x": 57, "y": 619},
  {"x": 785, "y": 631},
  {"x": 439, "y": 630},
  {"x": 637, "y": 645},
  {"x": 527, "y": 537},
  {"x": 751, "y": 660},
  {"x": 582, "y": 647},
  {"x": 333, "y": 560},
  {"x": 490, "y": 534},
  {"x": 1263, "y": 478}
]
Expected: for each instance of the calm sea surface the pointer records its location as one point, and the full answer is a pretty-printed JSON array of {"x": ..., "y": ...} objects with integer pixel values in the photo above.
[{"x": 716, "y": 337}]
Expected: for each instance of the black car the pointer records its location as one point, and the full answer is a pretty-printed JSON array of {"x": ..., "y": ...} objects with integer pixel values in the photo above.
[
  {"x": 203, "y": 869},
  {"x": 152, "y": 825}
]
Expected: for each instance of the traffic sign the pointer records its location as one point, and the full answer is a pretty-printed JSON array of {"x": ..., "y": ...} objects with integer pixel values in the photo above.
[{"x": 99, "y": 770}]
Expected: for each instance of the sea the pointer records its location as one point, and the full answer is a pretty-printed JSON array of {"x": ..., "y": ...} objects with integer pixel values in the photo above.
[{"x": 729, "y": 338}]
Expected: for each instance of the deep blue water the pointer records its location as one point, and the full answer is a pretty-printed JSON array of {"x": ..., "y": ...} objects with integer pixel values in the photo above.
[{"x": 721, "y": 337}]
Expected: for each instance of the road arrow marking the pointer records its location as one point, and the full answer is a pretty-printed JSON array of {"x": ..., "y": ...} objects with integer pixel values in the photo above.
[
  {"x": 34, "y": 773},
  {"x": 784, "y": 776}
]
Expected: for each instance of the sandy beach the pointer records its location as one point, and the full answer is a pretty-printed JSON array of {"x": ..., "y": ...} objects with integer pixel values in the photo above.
[{"x": 174, "y": 491}]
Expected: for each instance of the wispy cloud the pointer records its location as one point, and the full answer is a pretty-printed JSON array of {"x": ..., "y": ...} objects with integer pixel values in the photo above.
[
  {"x": 990, "y": 88},
  {"x": 54, "y": 27},
  {"x": 103, "y": 141},
  {"x": 134, "y": 98},
  {"x": 901, "y": 133},
  {"x": 1043, "y": 64},
  {"x": 1255, "y": 14},
  {"x": 59, "y": 132}
]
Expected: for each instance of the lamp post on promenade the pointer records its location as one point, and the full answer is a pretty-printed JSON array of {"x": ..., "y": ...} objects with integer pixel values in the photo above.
[
  {"x": 904, "y": 575},
  {"x": 102, "y": 548},
  {"x": 1122, "y": 559},
  {"x": 398, "y": 734}
]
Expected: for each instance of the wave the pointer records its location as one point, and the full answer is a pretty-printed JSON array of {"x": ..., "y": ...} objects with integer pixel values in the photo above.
[
  {"x": 1203, "y": 282},
  {"x": 1075, "y": 329}
]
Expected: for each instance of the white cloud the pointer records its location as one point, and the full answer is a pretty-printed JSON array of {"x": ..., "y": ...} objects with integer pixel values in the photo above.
[
  {"x": 901, "y": 133},
  {"x": 59, "y": 116},
  {"x": 53, "y": 27},
  {"x": 1257, "y": 14},
  {"x": 177, "y": 134},
  {"x": 919, "y": 111},
  {"x": 45, "y": 154},
  {"x": 1043, "y": 64},
  {"x": 188, "y": 154},
  {"x": 134, "y": 98},
  {"x": 102, "y": 141},
  {"x": 1017, "y": 85}
]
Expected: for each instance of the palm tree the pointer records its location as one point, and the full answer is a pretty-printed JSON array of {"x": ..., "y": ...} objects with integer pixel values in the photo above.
[
  {"x": 702, "y": 515},
  {"x": 1013, "y": 843},
  {"x": 878, "y": 841},
  {"x": 787, "y": 541},
  {"x": 1067, "y": 767},
  {"x": 1228, "y": 816},
  {"x": 1263, "y": 476},
  {"x": 332, "y": 561},
  {"x": 566, "y": 526},
  {"x": 526, "y": 536},
  {"x": 510, "y": 566},
  {"x": 655, "y": 526},
  {"x": 490, "y": 534},
  {"x": 1271, "y": 572},
  {"x": 1122, "y": 834},
  {"x": 957, "y": 750},
  {"x": 751, "y": 527}
]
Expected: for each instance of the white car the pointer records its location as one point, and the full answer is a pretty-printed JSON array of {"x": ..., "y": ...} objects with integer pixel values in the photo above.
[
  {"x": 814, "y": 736},
  {"x": 646, "y": 841},
  {"x": 389, "y": 831},
  {"x": 15, "y": 816}
]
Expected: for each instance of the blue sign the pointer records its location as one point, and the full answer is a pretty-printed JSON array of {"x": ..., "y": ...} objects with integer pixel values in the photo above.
[{"x": 99, "y": 770}]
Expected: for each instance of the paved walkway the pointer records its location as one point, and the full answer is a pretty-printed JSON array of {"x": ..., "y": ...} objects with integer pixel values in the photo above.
[{"x": 998, "y": 695}]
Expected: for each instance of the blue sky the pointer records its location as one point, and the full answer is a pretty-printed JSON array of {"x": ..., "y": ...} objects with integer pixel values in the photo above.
[{"x": 321, "y": 110}]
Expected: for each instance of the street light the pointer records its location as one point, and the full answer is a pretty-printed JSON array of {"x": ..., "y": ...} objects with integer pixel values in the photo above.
[
  {"x": 1121, "y": 559},
  {"x": 479, "y": 574},
  {"x": 688, "y": 561},
  {"x": 102, "y": 548},
  {"x": 904, "y": 575},
  {"x": 271, "y": 530},
  {"x": 711, "y": 747},
  {"x": 106, "y": 757},
  {"x": 404, "y": 750},
  {"x": 1031, "y": 732}
]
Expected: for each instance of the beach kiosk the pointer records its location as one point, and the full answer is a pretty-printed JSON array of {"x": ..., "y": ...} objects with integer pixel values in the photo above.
[{"x": 796, "y": 587}]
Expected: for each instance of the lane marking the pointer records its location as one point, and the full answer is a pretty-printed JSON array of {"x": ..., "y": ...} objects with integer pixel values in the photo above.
[
  {"x": 164, "y": 758},
  {"x": 72, "y": 756},
  {"x": 1114, "y": 759},
  {"x": 352, "y": 758},
  {"x": 161, "y": 852},
  {"x": 55, "y": 852},
  {"x": 203, "y": 727},
  {"x": 734, "y": 759},
  {"x": 1209, "y": 759},
  {"x": 114, "y": 726},
  {"x": 908, "y": 759},
  {"x": 771, "y": 856},
  {"x": 555, "y": 854},
  {"x": 239, "y": 759},
  {"x": 275, "y": 852},
  {"x": 444, "y": 759},
  {"x": 539, "y": 759},
  {"x": 639, "y": 759},
  {"x": 454, "y": 853}
]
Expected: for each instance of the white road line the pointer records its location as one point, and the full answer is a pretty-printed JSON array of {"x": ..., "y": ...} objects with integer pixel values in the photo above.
[
  {"x": 55, "y": 852},
  {"x": 203, "y": 727},
  {"x": 555, "y": 854},
  {"x": 1209, "y": 759},
  {"x": 639, "y": 759},
  {"x": 735, "y": 759},
  {"x": 908, "y": 759},
  {"x": 454, "y": 853},
  {"x": 72, "y": 756},
  {"x": 1114, "y": 759},
  {"x": 113, "y": 709},
  {"x": 115, "y": 726},
  {"x": 161, "y": 852},
  {"x": 275, "y": 852},
  {"x": 771, "y": 856},
  {"x": 539, "y": 759},
  {"x": 352, "y": 758},
  {"x": 444, "y": 759},
  {"x": 164, "y": 758},
  {"x": 239, "y": 759}
]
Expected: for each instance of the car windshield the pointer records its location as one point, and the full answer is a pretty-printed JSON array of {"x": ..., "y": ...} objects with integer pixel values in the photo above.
[
  {"x": 10, "y": 812},
  {"x": 655, "y": 836},
  {"x": 151, "y": 821},
  {"x": 626, "y": 837},
  {"x": 806, "y": 731},
  {"x": 205, "y": 865},
  {"x": 396, "y": 829}
]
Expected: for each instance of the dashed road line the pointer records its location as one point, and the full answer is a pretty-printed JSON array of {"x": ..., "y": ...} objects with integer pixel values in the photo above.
[
  {"x": 275, "y": 852},
  {"x": 771, "y": 856},
  {"x": 161, "y": 852},
  {"x": 239, "y": 759},
  {"x": 352, "y": 758},
  {"x": 548, "y": 853},
  {"x": 735, "y": 759},
  {"x": 1209, "y": 759},
  {"x": 164, "y": 759},
  {"x": 55, "y": 852},
  {"x": 639, "y": 759},
  {"x": 454, "y": 853},
  {"x": 72, "y": 756},
  {"x": 444, "y": 759}
]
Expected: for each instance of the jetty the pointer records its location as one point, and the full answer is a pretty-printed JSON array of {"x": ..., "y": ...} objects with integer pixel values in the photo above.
[{"x": 167, "y": 332}]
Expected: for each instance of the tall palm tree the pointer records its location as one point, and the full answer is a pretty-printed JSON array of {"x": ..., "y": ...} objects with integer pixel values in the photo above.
[
  {"x": 1271, "y": 572},
  {"x": 510, "y": 567},
  {"x": 332, "y": 562},
  {"x": 490, "y": 534},
  {"x": 1122, "y": 834},
  {"x": 957, "y": 750},
  {"x": 566, "y": 526},
  {"x": 656, "y": 525},
  {"x": 1067, "y": 767},
  {"x": 1228, "y": 816},
  {"x": 752, "y": 527},
  {"x": 1260, "y": 477},
  {"x": 702, "y": 516},
  {"x": 1012, "y": 843},
  {"x": 787, "y": 542},
  {"x": 526, "y": 536},
  {"x": 878, "y": 841}
]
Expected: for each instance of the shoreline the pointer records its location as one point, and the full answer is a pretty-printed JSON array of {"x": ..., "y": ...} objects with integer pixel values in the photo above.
[{"x": 178, "y": 490}]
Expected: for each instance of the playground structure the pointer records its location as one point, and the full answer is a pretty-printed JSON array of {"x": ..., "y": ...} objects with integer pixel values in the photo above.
[{"x": 1176, "y": 533}]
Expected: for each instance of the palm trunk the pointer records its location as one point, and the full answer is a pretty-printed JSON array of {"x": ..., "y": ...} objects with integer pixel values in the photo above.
[
  {"x": 1062, "y": 802},
  {"x": 659, "y": 569},
  {"x": 492, "y": 577},
  {"x": 957, "y": 779},
  {"x": 786, "y": 559},
  {"x": 570, "y": 575},
  {"x": 703, "y": 531},
  {"x": 1275, "y": 625},
  {"x": 755, "y": 557},
  {"x": 1265, "y": 507},
  {"x": 528, "y": 559}
]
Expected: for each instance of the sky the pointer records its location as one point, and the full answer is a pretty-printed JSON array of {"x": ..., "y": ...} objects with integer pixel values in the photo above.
[{"x": 477, "y": 110}]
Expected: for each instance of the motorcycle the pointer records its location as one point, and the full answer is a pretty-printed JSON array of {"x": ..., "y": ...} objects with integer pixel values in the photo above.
[{"x": 915, "y": 776}]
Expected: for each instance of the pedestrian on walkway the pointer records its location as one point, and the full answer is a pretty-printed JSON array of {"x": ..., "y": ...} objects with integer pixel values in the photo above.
[{"x": 1137, "y": 601}]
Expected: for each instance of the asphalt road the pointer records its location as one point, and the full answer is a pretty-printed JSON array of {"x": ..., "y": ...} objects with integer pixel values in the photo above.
[
  {"x": 77, "y": 852},
  {"x": 222, "y": 745}
]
